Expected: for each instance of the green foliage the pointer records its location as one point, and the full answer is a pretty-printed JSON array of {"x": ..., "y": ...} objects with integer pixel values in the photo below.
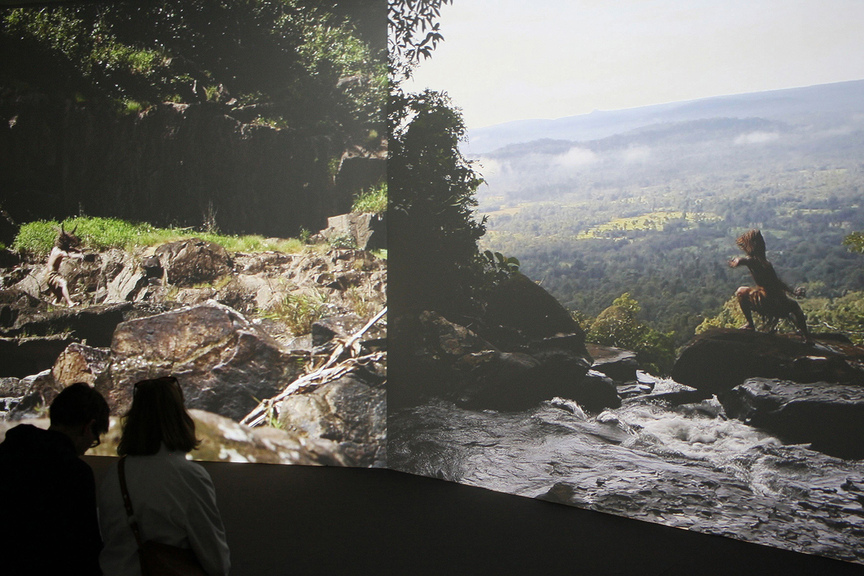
[
  {"x": 253, "y": 243},
  {"x": 299, "y": 311},
  {"x": 843, "y": 314},
  {"x": 374, "y": 200},
  {"x": 855, "y": 242},
  {"x": 413, "y": 33},
  {"x": 328, "y": 50},
  {"x": 290, "y": 57},
  {"x": 678, "y": 272},
  {"x": 498, "y": 266},
  {"x": 37, "y": 238},
  {"x": 729, "y": 317},
  {"x": 582, "y": 319},
  {"x": 343, "y": 240},
  {"x": 431, "y": 189},
  {"x": 618, "y": 326}
]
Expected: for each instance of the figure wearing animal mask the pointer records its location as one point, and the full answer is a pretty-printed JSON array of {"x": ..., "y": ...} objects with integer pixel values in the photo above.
[{"x": 67, "y": 245}]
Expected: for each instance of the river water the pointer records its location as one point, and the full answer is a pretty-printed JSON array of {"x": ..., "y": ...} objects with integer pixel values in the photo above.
[{"x": 686, "y": 466}]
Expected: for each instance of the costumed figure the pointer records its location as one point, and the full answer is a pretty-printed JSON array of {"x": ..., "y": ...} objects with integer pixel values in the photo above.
[
  {"x": 67, "y": 245},
  {"x": 770, "y": 298}
]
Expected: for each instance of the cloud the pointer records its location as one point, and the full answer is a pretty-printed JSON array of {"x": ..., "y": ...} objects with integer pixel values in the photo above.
[
  {"x": 756, "y": 138},
  {"x": 636, "y": 154},
  {"x": 490, "y": 168},
  {"x": 576, "y": 158}
]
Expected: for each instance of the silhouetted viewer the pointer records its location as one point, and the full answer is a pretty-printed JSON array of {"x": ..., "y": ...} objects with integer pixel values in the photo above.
[
  {"x": 173, "y": 499},
  {"x": 49, "y": 523}
]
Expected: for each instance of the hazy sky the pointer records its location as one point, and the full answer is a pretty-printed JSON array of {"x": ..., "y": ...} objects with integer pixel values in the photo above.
[{"x": 505, "y": 60}]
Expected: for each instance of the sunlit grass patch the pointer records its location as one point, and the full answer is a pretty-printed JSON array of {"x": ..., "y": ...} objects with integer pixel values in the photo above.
[
  {"x": 656, "y": 221},
  {"x": 374, "y": 200},
  {"x": 299, "y": 311},
  {"x": 37, "y": 238}
]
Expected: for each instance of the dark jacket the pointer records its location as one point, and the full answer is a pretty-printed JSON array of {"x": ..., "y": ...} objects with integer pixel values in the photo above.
[{"x": 49, "y": 522}]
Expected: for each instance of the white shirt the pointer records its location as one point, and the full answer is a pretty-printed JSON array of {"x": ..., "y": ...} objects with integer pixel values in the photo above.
[{"x": 174, "y": 503}]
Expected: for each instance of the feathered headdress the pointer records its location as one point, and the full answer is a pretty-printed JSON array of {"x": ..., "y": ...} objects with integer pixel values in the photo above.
[{"x": 752, "y": 243}]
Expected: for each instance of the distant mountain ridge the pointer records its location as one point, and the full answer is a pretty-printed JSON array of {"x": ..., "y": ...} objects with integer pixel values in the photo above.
[{"x": 827, "y": 105}]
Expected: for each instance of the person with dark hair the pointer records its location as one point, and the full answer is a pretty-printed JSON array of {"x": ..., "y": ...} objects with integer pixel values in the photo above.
[
  {"x": 172, "y": 498},
  {"x": 49, "y": 493}
]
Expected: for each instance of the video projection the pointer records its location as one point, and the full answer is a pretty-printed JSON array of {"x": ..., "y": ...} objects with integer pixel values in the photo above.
[
  {"x": 552, "y": 313},
  {"x": 570, "y": 329},
  {"x": 198, "y": 189}
]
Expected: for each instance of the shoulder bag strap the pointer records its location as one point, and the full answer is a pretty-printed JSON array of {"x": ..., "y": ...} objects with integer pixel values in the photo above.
[{"x": 121, "y": 470}]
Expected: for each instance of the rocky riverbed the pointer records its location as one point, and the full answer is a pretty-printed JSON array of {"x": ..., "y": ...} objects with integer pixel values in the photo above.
[
  {"x": 756, "y": 436},
  {"x": 235, "y": 329},
  {"x": 690, "y": 466}
]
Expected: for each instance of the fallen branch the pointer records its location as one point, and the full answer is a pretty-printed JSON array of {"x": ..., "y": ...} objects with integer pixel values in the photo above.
[
  {"x": 329, "y": 371},
  {"x": 350, "y": 344}
]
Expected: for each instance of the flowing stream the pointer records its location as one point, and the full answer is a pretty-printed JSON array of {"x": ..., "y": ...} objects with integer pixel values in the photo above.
[{"x": 686, "y": 466}]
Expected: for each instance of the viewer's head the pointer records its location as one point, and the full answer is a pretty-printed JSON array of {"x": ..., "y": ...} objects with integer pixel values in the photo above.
[
  {"x": 157, "y": 416},
  {"x": 80, "y": 412}
]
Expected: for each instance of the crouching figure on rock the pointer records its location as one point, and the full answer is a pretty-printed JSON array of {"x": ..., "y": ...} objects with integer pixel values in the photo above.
[{"x": 770, "y": 298}]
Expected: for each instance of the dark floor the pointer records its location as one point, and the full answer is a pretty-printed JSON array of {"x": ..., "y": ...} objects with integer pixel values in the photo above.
[{"x": 333, "y": 521}]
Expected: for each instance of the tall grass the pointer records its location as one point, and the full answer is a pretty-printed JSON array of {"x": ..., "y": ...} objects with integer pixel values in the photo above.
[
  {"x": 37, "y": 238},
  {"x": 374, "y": 200},
  {"x": 299, "y": 311}
]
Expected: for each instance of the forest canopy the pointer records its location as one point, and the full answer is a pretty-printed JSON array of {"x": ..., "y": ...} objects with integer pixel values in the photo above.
[
  {"x": 288, "y": 63},
  {"x": 229, "y": 114}
]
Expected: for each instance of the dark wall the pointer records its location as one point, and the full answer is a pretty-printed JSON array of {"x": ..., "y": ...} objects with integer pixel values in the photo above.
[{"x": 327, "y": 521}]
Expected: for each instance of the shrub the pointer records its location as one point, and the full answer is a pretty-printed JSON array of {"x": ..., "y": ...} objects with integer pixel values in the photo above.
[
  {"x": 344, "y": 240},
  {"x": 617, "y": 326},
  {"x": 299, "y": 311},
  {"x": 374, "y": 200}
]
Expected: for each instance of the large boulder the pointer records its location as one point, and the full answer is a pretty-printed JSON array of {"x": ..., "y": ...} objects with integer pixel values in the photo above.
[
  {"x": 513, "y": 381},
  {"x": 27, "y": 397},
  {"x": 15, "y": 304},
  {"x": 124, "y": 276},
  {"x": 193, "y": 261},
  {"x": 368, "y": 231},
  {"x": 23, "y": 356},
  {"x": 618, "y": 364},
  {"x": 720, "y": 359},
  {"x": 80, "y": 363},
  {"x": 12, "y": 391},
  {"x": 350, "y": 411},
  {"x": 830, "y": 417},
  {"x": 225, "y": 364},
  {"x": 95, "y": 324},
  {"x": 458, "y": 364},
  {"x": 519, "y": 304}
]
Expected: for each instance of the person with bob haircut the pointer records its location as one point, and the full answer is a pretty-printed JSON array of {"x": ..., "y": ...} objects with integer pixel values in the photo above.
[
  {"x": 172, "y": 498},
  {"x": 49, "y": 493}
]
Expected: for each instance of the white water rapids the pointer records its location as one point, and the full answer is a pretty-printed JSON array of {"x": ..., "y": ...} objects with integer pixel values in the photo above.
[{"x": 686, "y": 466}]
